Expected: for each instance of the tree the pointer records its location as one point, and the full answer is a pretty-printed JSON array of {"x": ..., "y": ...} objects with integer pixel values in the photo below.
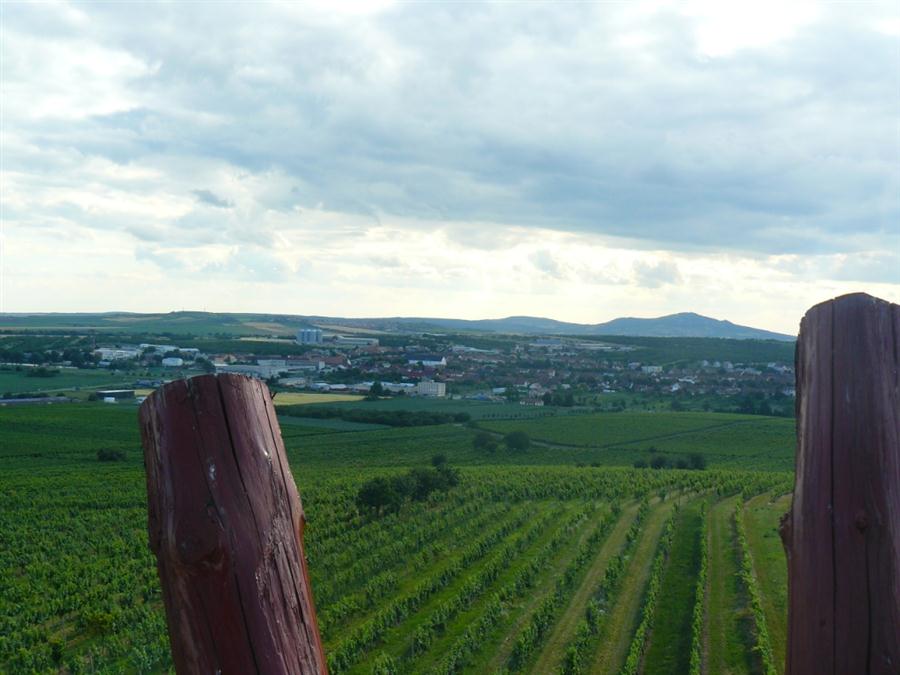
[
  {"x": 640, "y": 464},
  {"x": 377, "y": 494},
  {"x": 375, "y": 391},
  {"x": 517, "y": 440},
  {"x": 484, "y": 441},
  {"x": 697, "y": 461},
  {"x": 659, "y": 462}
]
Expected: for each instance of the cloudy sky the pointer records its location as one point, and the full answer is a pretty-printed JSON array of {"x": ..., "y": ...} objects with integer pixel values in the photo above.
[{"x": 576, "y": 161}]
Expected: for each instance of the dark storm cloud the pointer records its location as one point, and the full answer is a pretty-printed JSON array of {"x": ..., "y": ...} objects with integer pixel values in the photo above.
[{"x": 530, "y": 115}]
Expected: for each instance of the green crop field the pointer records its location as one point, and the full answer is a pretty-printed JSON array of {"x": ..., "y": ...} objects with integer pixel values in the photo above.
[
  {"x": 535, "y": 562},
  {"x": 476, "y": 409},
  {"x": 68, "y": 379},
  {"x": 738, "y": 441}
]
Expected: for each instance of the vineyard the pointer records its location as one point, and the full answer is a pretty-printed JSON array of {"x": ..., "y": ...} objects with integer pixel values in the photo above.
[{"x": 558, "y": 559}]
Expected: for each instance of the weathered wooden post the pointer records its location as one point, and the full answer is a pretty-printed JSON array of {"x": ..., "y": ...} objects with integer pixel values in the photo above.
[
  {"x": 842, "y": 535},
  {"x": 226, "y": 525}
]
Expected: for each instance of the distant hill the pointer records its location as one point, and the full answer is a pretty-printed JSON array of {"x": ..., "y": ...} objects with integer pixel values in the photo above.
[{"x": 685, "y": 324}]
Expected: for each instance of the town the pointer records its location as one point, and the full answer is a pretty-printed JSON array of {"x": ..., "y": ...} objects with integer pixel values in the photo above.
[{"x": 606, "y": 373}]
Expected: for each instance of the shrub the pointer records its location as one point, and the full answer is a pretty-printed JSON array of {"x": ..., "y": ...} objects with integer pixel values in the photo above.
[
  {"x": 484, "y": 441},
  {"x": 110, "y": 455},
  {"x": 697, "y": 461},
  {"x": 388, "y": 494},
  {"x": 517, "y": 440}
]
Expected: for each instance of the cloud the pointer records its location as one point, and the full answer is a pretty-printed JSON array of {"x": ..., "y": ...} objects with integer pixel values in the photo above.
[
  {"x": 656, "y": 274},
  {"x": 462, "y": 136},
  {"x": 212, "y": 199},
  {"x": 544, "y": 261}
]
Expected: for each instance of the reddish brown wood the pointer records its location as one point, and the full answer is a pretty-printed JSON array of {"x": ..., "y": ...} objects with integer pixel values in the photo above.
[
  {"x": 226, "y": 525},
  {"x": 842, "y": 535}
]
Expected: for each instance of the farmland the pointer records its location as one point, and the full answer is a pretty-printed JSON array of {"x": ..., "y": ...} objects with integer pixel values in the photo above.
[{"x": 557, "y": 558}]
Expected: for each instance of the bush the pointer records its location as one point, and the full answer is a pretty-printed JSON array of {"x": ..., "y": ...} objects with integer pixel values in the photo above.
[
  {"x": 659, "y": 462},
  {"x": 640, "y": 464},
  {"x": 697, "y": 461},
  {"x": 388, "y": 494},
  {"x": 517, "y": 440},
  {"x": 110, "y": 455},
  {"x": 484, "y": 441}
]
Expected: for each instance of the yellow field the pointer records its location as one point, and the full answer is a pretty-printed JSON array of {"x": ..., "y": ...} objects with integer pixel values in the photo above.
[{"x": 299, "y": 398}]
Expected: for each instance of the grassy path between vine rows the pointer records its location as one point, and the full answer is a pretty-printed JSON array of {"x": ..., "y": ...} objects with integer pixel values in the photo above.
[
  {"x": 551, "y": 655},
  {"x": 761, "y": 517},
  {"x": 617, "y": 630},
  {"x": 411, "y": 580},
  {"x": 455, "y": 628},
  {"x": 396, "y": 638},
  {"x": 499, "y": 645},
  {"x": 407, "y": 573},
  {"x": 728, "y": 626},
  {"x": 669, "y": 642}
]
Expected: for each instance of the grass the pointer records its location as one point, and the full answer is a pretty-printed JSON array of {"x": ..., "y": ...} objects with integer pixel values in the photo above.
[
  {"x": 302, "y": 398},
  {"x": 616, "y": 632},
  {"x": 762, "y": 516},
  {"x": 669, "y": 648},
  {"x": 728, "y": 621},
  {"x": 552, "y": 654},
  {"x": 75, "y": 561},
  {"x": 609, "y": 429},
  {"x": 466, "y": 618},
  {"x": 399, "y": 639},
  {"x": 477, "y": 409},
  {"x": 499, "y": 644},
  {"x": 18, "y": 381},
  {"x": 745, "y": 441},
  {"x": 323, "y": 425}
]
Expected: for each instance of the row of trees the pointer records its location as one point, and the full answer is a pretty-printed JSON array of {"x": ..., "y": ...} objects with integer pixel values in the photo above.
[
  {"x": 391, "y": 418},
  {"x": 694, "y": 461}
]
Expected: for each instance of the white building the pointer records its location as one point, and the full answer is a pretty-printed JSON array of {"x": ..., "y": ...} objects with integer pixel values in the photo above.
[
  {"x": 117, "y": 353},
  {"x": 429, "y": 388},
  {"x": 309, "y": 336},
  {"x": 427, "y": 360},
  {"x": 651, "y": 370},
  {"x": 264, "y": 368},
  {"x": 172, "y": 362},
  {"x": 342, "y": 341}
]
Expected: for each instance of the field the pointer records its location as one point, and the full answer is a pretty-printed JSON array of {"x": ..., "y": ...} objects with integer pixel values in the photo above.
[
  {"x": 735, "y": 441},
  {"x": 68, "y": 379},
  {"x": 304, "y": 398},
  {"x": 537, "y": 562},
  {"x": 474, "y": 408}
]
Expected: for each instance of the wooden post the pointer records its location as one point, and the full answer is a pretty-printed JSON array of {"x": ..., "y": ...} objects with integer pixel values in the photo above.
[
  {"x": 842, "y": 535},
  {"x": 226, "y": 525}
]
